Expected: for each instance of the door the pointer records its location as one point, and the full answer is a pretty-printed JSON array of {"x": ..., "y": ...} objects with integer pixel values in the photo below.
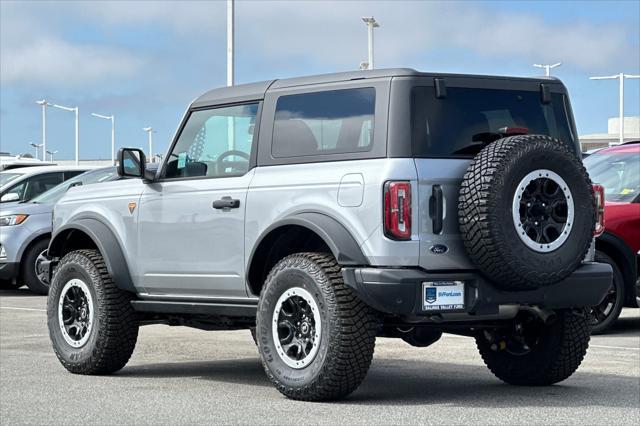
[{"x": 191, "y": 222}]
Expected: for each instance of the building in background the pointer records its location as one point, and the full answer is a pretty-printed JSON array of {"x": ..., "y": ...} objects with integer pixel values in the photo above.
[{"x": 601, "y": 140}]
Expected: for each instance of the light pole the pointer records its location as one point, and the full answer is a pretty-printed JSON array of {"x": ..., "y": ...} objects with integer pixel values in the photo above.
[
  {"x": 51, "y": 154},
  {"x": 75, "y": 110},
  {"x": 230, "y": 42},
  {"x": 371, "y": 24},
  {"x": 37, "y": 146},
  {"x": 149, "y": 131},
  {"x": 44, "y": 104},
  {"x": 620, "y": 77},
  {"x": 113, "y": 134},
  {"x": 547, "y": 68}
]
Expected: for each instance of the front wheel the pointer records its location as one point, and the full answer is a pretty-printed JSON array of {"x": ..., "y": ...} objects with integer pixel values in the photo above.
[
  {"x": 32, "y": 273},
  {"x": 92, "y": 325},
  {"x": 315, "y": 337},
  {"x": 532, "y": 353}
]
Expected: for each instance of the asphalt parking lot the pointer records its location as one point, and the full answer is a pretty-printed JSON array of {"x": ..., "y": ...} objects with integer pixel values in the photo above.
[{"x": 182, "y": 375}]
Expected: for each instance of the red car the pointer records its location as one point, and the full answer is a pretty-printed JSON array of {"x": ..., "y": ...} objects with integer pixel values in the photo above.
[{"x": 618, "y": 170}]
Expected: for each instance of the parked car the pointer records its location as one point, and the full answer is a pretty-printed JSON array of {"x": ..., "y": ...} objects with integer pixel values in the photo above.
[
  {"x": 618, "y": 170},
  {"x": 25, "y": 231},
  {"x": 8, "y": 162},
  {"x": 338, "y": 208},
  {"x": 26, "y": 183}
]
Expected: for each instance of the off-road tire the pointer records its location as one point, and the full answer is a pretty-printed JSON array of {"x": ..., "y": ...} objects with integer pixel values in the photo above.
[
  {"x": 347, "y": 338},
  {"x": 485, "y": 212},
  {"x": 557, "y": 355},
  {"x": 115, "y": 327},
  {"x": 599, "y": 325},
  {"x": 28, "y": 272},
  {"x": 254, "y": 336}
]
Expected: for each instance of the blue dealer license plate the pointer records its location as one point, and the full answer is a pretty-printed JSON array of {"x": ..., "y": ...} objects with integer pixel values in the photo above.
[{"x": 443, "y": 295}]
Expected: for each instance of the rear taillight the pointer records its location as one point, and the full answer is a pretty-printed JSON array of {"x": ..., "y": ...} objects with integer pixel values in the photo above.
[
  {"x": 598, "y": 194},
  {"x": 397, "y": 210}
]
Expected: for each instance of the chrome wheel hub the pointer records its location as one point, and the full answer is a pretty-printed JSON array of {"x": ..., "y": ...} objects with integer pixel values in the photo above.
[{"x": 296, "y": 327}]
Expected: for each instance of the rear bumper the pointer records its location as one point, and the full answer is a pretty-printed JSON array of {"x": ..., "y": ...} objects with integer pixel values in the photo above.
[{"x": 399, "y": 291}]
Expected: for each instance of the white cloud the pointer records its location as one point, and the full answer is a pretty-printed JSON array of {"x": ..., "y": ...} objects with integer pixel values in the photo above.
[{"x": 56, "y": 62}]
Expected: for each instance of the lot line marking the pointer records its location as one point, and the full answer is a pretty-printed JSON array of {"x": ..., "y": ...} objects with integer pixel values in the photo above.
[
  {"x": 615, "y": 347},
  {"x": 22, "y": 309}
]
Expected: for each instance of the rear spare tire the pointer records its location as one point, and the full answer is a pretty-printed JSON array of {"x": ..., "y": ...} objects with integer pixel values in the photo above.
[{"x": 526, "y": 211}]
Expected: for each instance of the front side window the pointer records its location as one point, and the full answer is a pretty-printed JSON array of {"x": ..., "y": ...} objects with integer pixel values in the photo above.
[
  {"x": 214, "y": 143},
  {"x": 41, "y": 184},
  {"x": 329, "y": 122}
]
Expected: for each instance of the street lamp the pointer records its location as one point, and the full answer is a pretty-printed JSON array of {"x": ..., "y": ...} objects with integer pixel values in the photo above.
[
  {"x": 44, "y": 104},
  {"x": 51, "y": 154},
  {"x": 74, "y": 109},
  {"x": 36, "y": 146},
  {"x": 620, "y": 77},
  {"x": 547, "y": 68},
  {"x": 371, "y": 24},
  {"x": 113, "y": 134},
  {"x": 230, "y": 42},
  {"x": 149, "y": 131}
]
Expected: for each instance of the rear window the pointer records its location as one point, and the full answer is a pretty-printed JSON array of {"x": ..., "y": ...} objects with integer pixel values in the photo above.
[
  {"x": 458, "y": 124},
  {"x": 320, "y": 123}
]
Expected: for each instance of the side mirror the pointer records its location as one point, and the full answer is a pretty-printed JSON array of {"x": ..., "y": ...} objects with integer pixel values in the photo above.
[
  {"x": 7, "y": 198},
  {"x": 132, "y": 164}
]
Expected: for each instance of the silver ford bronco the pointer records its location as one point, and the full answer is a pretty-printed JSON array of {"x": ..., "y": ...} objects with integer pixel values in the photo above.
[{"x": 324, "y": 211}]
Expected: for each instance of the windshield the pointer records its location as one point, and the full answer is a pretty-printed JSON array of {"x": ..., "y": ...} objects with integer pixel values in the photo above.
[
  {"x": 6, "y": 177},
  {"x": 618, "y": 172},
  {"x": 461, "y": 123},
  {"x": 95, "y": 176}
]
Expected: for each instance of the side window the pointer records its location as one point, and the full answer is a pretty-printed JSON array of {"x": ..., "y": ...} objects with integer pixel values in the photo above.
[
  {"x": 42, "y": 183},
  {"x": 72, "y": 173},
  {"x": 214, "y": 143},
  {"x": 16, "y": 189},
  {"x": 329, "y": 122}
]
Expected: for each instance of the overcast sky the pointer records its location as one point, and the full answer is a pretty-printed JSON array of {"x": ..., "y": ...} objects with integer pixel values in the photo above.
[{"x": 144, "y": 61}]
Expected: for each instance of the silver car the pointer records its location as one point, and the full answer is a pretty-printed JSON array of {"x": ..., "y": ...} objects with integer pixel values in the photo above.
[
  {"x": 324, "y": 211},
  {"x": 25, "y": 231}
]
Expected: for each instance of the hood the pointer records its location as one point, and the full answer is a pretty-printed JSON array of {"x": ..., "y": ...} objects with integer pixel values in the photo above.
[{"x": 25, "y": 208}]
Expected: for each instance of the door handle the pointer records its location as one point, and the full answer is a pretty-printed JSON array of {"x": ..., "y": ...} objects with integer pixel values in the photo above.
[
  {"x": 436, "y": 208},
  {"x": 226, "y": 203}
]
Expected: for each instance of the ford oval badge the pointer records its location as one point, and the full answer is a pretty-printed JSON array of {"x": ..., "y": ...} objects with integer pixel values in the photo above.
[{"x": 439, "y": 249}]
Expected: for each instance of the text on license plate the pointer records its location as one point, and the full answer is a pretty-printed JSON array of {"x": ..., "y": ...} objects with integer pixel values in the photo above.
[{"x": 443, "y": 295}]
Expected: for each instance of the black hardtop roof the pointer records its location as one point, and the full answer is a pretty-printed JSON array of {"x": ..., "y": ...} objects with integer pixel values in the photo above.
[{"x": 253, "y": 91}]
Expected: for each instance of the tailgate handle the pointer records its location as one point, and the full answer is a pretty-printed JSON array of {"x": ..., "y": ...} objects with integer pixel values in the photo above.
[{"x": 436, "y": 208}]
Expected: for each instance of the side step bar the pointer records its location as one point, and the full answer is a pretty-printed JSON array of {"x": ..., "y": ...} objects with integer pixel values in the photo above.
[{"x": 244, "y": 308}]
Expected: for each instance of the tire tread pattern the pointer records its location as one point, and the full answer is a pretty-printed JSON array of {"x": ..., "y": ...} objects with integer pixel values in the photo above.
[
  {"x": 352, "y": 335},
  {"x": 556, "y": 359},
  {"x": 118, "y": 331},
  {"x": 481, "y": 188}
]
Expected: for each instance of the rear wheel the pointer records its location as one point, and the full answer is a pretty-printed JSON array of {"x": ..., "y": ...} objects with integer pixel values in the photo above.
[
  {"x": 315, "y": 337},
  {"x": 32, "y": 273},
  {"x": 530, "y": 352},
  {"x": 605, "y": 314},
  {"x": 92, "y": 326}
]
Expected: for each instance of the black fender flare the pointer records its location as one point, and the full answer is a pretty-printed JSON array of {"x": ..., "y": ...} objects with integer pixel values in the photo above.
[
  {"x": 336, "y": 236},
  {"x": 106, "y": 242}
]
